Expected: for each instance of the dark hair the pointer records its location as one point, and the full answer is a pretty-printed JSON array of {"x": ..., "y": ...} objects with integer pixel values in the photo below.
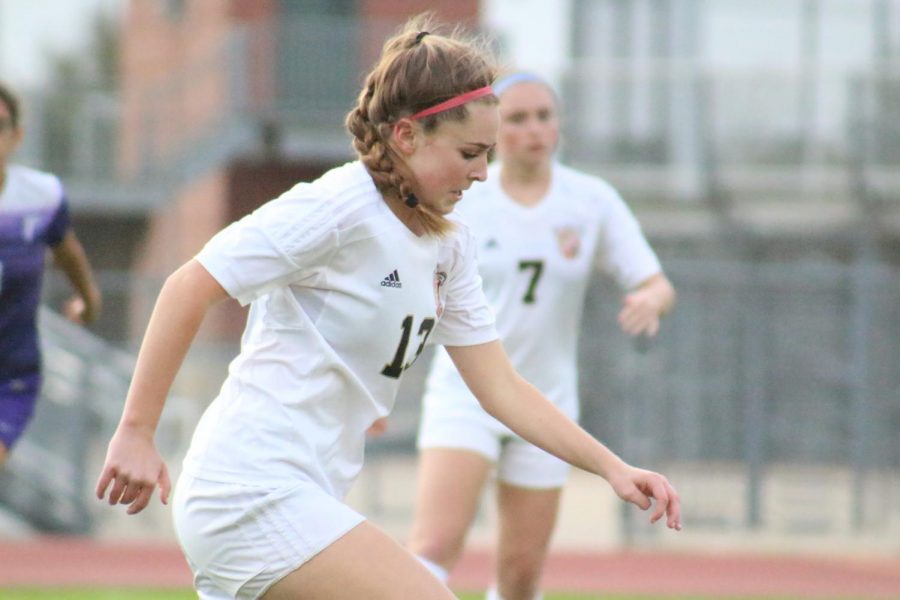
[
  {"x": 11, "y": 101},
  {"x": 418, "y": 69}
]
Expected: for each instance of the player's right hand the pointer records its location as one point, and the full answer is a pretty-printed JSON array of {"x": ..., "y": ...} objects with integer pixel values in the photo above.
[
  {"x": 134, "y": 467},
  {"x": 378, "y": 427}
]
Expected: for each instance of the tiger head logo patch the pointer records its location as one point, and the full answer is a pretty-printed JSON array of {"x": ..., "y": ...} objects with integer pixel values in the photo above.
[
  {"x": 439, "y": 278},
  {"x": 569, "y": 241}
]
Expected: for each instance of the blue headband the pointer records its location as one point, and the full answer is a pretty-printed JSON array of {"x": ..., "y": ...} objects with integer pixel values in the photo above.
[{"x": 504, "y": 83}]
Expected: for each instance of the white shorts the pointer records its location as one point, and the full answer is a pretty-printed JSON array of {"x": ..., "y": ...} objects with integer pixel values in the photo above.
[
  {"x": 518, "y": 462},
  {"x": 239, "y": 540}
]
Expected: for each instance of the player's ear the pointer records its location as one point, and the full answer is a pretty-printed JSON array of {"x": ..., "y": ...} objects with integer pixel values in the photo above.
[{"x": 404, "y": 135}]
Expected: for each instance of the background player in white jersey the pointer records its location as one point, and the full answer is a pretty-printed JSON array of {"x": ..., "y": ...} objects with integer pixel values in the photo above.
[
  {"x": 34, "y": 216},
  {"x": 348, "y": 277},
  {"x": 539, "y": 226}
]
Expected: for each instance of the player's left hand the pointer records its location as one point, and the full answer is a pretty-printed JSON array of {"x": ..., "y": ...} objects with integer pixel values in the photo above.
[
  {"x": 640, "y": 314},
  {"x": 638, "y": 486},
  {"x": 78, "y": 311}
]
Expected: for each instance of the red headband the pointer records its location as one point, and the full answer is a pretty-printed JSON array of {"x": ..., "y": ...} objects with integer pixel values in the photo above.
[{"x": 454, "y": 102}]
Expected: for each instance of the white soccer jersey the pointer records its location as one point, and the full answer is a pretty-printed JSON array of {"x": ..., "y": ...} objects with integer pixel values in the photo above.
[
  {"x": 536, "y": 263},
  {"x": 344, "y": 297}
]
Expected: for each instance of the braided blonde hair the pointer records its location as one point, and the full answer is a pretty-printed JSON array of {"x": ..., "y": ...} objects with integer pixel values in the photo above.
[{"x": 417, "y": 70}]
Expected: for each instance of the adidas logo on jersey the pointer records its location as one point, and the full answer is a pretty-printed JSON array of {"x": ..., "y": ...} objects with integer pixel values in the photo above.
[{"x": 392, "y": 280}]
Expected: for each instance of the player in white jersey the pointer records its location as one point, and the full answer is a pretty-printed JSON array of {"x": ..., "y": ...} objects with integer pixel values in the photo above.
[
  {"x": 539, "y": 227},
  {"x": 348, "y": 278}
]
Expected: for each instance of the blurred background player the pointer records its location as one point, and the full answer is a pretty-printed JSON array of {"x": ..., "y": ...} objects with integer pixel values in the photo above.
[
  {"x": 348, "y": 277},
  {"x": 539, "y": 227},
  {"x": 34, "y": 216}
]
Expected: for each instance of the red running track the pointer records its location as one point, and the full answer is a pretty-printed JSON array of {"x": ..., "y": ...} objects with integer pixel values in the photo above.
[{"x": 81, "y": 562}]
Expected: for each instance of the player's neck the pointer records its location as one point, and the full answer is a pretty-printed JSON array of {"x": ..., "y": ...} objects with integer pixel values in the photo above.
[
  {"x": 526, "y": 184},
  {"x": 404, "y": 214}
]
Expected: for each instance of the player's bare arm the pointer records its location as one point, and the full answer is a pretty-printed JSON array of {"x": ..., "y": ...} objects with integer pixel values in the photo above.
[
  {"x": 504, "y": 394},
  {"x": 86, "y": 305},
  {"x": 133, "y": 464}
]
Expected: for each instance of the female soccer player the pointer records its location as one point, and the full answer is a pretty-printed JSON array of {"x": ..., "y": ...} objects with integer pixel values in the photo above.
[
  {"x": 34, "y": 216},
  {"x": 538, "y": 227},
  {"x": 348, "y": 277}
]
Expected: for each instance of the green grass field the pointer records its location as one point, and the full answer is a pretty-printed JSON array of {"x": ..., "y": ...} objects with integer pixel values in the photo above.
[
  {"x": 134, "y": 594},
  {"x": 131, "y": 594}
]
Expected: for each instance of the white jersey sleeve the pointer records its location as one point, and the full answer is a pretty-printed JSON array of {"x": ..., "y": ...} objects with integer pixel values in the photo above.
[
  {"x": 622, "y": 251},
  {"x": 276, "y": 245},
  {"x": 467, "y": 318}
]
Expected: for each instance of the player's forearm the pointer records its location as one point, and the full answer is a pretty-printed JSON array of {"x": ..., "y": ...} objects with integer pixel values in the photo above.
[
  {"x": 180, "y": 308},
  {"x": 530, "y": 415},
  {"x": 504, "y": 394},
  {"x": 69, "y": 255}
]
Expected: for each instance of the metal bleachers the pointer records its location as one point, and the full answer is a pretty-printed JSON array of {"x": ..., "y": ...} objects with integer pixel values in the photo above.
[{"x": 45, "y": 481}]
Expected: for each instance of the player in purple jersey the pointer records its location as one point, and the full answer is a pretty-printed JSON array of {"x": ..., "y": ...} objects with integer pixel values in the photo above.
[{"x": 33, "y": 217}]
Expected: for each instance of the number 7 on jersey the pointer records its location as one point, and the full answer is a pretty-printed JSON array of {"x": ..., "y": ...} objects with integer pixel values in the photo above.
[{"x": 538, "y": 266}]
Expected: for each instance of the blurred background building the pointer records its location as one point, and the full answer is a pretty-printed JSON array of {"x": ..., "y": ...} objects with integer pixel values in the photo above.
[{"x": 758, "y": 141}]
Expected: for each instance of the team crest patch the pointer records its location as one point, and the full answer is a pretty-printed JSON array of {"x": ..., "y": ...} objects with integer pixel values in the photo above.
[
  {"x": 439, "y": 278},
  {"x": 569, "y": 240}
]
